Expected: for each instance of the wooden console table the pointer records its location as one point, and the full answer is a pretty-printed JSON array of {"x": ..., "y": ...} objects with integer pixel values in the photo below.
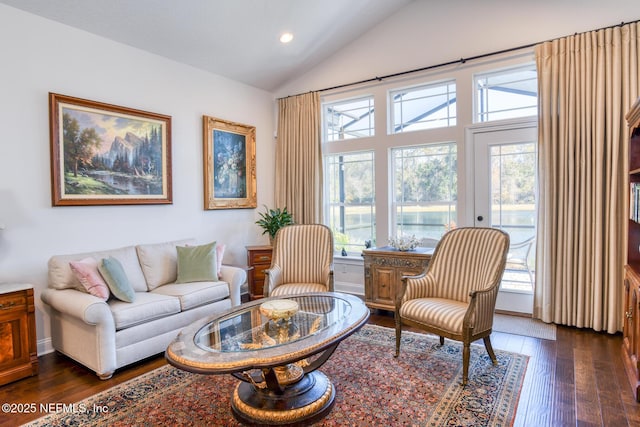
[
  {"x": 18, "y": 353},
  {"x": 383, "y": 271}
]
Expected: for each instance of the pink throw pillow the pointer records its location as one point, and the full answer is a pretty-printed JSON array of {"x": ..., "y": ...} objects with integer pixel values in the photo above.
[
  {"x": 86, "y": 271},
  {"x": 219, "y": 254}
]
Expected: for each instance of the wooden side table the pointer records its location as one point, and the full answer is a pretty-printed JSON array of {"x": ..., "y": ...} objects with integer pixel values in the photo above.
[
  {"x": 18, "y": 352},
  {"x": 383, "y": 271},
  {"x": 259, "y": 260}
]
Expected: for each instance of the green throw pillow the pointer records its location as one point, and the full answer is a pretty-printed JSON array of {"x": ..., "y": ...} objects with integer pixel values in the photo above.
[
  {"x": 197, "y": 263},
  {"x": 116, "y": 279}
]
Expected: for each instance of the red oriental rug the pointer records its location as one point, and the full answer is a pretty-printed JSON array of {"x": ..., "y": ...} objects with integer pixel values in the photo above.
[{"x": 419, "y": 388}]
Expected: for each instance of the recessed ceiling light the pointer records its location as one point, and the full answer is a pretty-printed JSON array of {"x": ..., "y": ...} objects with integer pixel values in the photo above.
[{"x": 286, "y": 37}]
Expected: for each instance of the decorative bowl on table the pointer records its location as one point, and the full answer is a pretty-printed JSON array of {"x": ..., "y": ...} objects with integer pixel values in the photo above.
[
  {"x": 404, "y": 243},
  {"x": 279, "y": 309}
]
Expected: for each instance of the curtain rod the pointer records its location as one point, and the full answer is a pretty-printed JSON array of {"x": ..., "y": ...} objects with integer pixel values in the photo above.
[{"x": 444, "y": 64}]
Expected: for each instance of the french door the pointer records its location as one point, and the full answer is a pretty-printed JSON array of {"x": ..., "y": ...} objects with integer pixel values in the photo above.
[{"x": 504, "y": 184}]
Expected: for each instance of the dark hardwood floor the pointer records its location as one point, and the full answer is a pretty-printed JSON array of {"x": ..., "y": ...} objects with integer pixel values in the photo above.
[{"x": 577, "y": 380}]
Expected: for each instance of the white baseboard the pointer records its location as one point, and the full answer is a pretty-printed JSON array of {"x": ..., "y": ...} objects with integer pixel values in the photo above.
[
  {"x": 44, "y": 346},
  {"x": 349, "y": 288}
]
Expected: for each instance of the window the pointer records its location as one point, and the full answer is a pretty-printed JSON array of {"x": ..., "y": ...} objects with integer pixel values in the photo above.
[
  {"x": 506, "y": 94},
  {"x": 424, "y": 189},
  {"x": 403, "y": 177},
  {"x": 350, "y": 194},
  {"x": 423, "y": 107},
  {"x": 348, "y": 119}
]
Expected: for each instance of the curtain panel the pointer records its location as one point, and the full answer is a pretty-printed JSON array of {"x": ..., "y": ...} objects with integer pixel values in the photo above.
[
  {"x": 586, "y": 84},
  {"x": 298, "y": 177}
]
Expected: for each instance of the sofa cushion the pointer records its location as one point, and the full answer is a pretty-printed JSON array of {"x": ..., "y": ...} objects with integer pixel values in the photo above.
[
  {"x": 86, "y": 271},
  {"x": 146, "y": 307},
  {"x": 159, "y": 262},
  {"x": 196, "y": 293},
  {"x": 61, "y": 276},
  {"x": 116, "y": 279},
  {"x": 197, "y": 263}
]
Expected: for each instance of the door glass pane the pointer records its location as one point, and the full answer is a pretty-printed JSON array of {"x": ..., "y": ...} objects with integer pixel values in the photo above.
[{"x": 513, "y": 208}]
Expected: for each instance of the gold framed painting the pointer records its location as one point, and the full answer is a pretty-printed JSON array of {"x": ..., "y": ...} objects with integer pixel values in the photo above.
[
  {"x": 103, "y": 154},
  {"x": 229, "y": 151}
]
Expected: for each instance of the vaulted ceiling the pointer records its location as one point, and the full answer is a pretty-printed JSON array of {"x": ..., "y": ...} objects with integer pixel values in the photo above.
[{"x": 238, "y": 39}]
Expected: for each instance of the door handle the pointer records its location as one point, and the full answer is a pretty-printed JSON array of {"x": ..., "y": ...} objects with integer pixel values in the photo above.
[{"x": 480, "y": 217}]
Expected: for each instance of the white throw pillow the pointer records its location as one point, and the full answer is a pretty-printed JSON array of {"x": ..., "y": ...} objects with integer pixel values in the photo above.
[{"x": 159, "y": 262}]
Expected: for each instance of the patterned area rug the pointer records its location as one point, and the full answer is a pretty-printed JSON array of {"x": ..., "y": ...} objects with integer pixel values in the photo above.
[{"x": 421, "y": 387}]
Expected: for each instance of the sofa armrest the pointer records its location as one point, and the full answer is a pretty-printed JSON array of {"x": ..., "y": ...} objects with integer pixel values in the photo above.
[
  {"x": 235, "y": 277},
  {"x": 86, "y": 307}
]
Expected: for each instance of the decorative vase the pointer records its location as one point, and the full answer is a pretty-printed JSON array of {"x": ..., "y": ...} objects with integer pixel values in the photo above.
[{"x": 404, "y": 243}]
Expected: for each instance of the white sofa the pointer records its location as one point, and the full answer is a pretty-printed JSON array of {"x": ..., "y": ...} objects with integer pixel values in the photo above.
[{"x": 107, "y": 335}]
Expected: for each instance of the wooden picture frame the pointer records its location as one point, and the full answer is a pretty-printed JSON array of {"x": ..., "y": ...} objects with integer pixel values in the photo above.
[
  {"x": 229, "y": 152},
  {"x": 103, "y": 154}
]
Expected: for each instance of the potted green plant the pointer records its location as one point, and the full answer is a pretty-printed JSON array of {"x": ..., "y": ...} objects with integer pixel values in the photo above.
[{"x": 274, "y": 219}]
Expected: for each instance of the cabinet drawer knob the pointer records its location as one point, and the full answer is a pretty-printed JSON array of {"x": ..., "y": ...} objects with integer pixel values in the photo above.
[
  {"x": 7, "y": 306},
  {"x": 264, "y": 257}
]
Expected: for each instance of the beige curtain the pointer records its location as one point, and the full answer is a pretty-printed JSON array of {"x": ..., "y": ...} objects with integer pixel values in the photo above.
[
  {"x": 299, "y": 158},
  {"x": 587, "y": 83}
]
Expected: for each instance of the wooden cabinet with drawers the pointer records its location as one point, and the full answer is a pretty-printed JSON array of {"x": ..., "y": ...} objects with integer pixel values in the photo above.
[
  {"x": 18, "y": 354},
  {"x": 259, "y": 260},
  {"x": 383, "y": 271}
]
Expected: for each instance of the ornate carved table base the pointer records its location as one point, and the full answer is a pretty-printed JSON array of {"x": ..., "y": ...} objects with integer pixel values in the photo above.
[{"x": 312, "y": 397}]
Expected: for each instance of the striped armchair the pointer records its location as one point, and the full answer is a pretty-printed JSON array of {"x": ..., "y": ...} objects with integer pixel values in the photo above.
[
  {"x": 302, "y": 261},
  {"x": 456, "y": 296}
]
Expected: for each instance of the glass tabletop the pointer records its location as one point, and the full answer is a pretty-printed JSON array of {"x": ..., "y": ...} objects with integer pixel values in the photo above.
[
  {"x": 251, "y": 329},
  {"x": 267, "y": 332}
]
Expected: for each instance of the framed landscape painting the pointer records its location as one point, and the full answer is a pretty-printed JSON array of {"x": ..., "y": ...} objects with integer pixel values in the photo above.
[
  {"x": 103, "y": 154},
  {"x": 229, "y": 164}
]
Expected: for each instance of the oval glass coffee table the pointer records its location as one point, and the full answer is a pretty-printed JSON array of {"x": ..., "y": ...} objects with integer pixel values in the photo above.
[{"x": 274, "y": 346}]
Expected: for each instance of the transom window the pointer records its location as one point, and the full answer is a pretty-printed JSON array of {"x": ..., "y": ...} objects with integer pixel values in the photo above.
[
  {"x": 423, "y": 107},
  {"x": 424, "y": 189},
  {"x": 506, "y": 94},
  {"x": 349, "y": 119},
  {"x": 350, "y": 193}
]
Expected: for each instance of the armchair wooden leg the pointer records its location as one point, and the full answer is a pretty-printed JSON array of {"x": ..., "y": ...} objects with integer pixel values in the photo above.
[
  {"x": 441, "y": 340},
  {"x": 398, "y": 323},
  {"x": 487, "y": 345},
  {"x": 466, "y": 352}
]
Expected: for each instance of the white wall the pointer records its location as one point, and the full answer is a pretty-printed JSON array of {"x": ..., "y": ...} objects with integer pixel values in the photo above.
[
  {"x": 427, "y": 32},
  {"x": 39, "y": 56}
]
